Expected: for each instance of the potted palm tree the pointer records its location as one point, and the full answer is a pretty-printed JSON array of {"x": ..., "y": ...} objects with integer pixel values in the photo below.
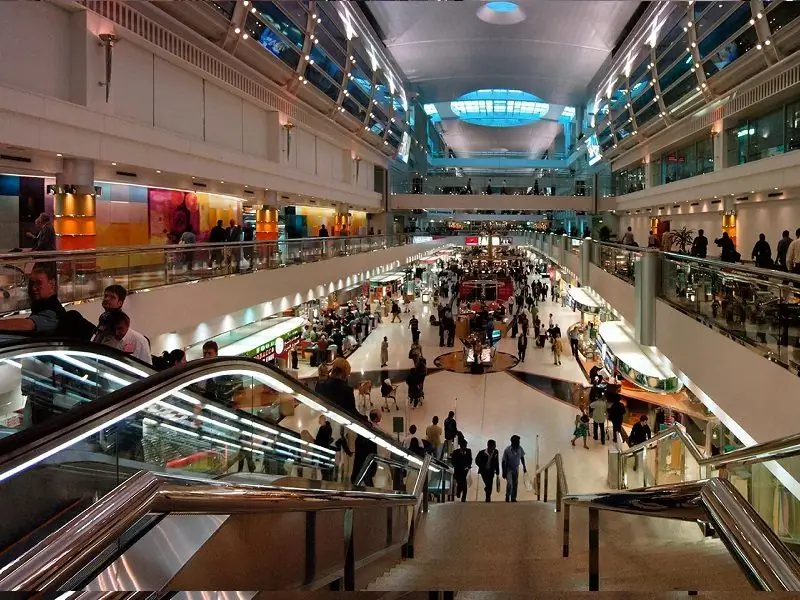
[{"x": 682, "y": 239}]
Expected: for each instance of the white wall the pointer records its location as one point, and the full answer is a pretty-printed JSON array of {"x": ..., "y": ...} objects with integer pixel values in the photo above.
[
  {"x": 620, "y": 295},
  {"x": 769, "y": 218},
  {"x": 756, "y": 393},
  {"x": 221, "y": 304},
  {"x": 162, "y": 114}
]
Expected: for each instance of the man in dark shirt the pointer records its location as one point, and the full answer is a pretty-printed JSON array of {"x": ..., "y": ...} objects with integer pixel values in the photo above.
[
  {"x": 46, "y": 309},
  {"x": 488, "y": 463},
  {"x": 783, "y": 246},
  {"x": 414, "y": 326},
  {"x": 700, "y": 245},
  {"x": 113, "y": 299},
  {"x": 640, "y": 432},
  {"x": 762, "y": 253},
  {"x": 217, "y": 235}
]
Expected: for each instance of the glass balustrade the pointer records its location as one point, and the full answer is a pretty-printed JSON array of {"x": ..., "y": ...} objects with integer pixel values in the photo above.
[
  {"x": 618, "y": 260},
  {"x": 85, "y": 274},
  {"x": 758, "y": 307},
  {"x": 555, "y": 185}
]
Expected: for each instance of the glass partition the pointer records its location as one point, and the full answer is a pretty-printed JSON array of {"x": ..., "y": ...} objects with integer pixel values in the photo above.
[
  {"x": 756, "y": 307},
  {"x": 618, "y": 260},
  {"x": 85, "y": 274}
]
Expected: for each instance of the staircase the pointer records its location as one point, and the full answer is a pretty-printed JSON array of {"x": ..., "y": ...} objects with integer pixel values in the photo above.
[{"x": 517, "y": 548}]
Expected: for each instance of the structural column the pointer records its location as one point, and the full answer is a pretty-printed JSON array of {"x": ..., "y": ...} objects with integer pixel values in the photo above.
[
  {"x": 647, "y": 283},
  {"x": 586, "y": 261},
  {"x": 267, "y": 218},
  {"x": 720, "y": 146},
  {"x": 74, "y": 205},
  {"x": 564, "y": 249}
]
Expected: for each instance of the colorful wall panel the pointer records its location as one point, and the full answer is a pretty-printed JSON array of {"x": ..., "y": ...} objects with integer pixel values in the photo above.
[
  {"x": 172, "y": 212},
  {"x": 21, "y": 201}
]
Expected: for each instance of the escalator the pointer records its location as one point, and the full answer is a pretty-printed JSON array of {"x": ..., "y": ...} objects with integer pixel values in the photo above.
[{"x": 80, "y": 420}]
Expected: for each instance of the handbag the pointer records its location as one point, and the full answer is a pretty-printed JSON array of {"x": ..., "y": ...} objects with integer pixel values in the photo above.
[{"x": 497, "y": 483}]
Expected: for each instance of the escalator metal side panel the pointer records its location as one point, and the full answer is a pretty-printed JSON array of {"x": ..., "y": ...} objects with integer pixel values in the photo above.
[
  {"x": 161, "y": 553},
  {"x": 213, "y": 595}
]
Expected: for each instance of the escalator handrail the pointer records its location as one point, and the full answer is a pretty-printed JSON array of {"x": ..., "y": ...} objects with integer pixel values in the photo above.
[
  {"x": 30, "y": 446},
  {"x": 54, "y": 560},
  {"x": 766, "y": 561},
  {"x": 26, "y": 344}
]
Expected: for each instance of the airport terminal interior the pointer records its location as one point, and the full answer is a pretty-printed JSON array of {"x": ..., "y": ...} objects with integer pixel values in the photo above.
[{"x": 442, "y": 299}]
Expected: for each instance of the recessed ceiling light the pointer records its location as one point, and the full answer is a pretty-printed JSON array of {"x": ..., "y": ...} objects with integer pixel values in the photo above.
[{"x": 59, "y": 155}]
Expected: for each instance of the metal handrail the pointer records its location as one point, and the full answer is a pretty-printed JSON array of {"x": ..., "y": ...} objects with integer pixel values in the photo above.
[
  {"x": 766, "y": 561},
  {"x": 375, "y": 458},
  {"x": 561, "y": 480},
  {"x": 122, "y": 250},
  {"x": 21, "y": 451},
  {"x": 54, "y": 560}
]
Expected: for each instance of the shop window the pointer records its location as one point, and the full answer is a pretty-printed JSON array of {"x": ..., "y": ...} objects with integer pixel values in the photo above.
[
  {"x": 793, "y": 127},
  {"x": 648, "y": 114},
  {"x": 328, "y": 66},
  {"x": 780, "y": 13},
  {"x": 272, "y": 41},
  {"x": 680, "y": 89},
  {"x": 278, "y": 21},
  {"x": 644, "y": 99}
]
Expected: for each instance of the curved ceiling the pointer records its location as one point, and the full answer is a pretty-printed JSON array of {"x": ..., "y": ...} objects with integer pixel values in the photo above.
[{"x": 447, "y": 51}]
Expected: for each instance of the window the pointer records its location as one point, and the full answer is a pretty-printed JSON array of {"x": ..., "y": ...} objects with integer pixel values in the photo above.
[
  {"x": 723, "y": 45},
  {"x": 272, "y": 41},
  {"x": 793, "y": 126},
  {"x": 629, "y": 180},
  {"x": 780, "y": 13},
  {"x": 756, "y": 138}
]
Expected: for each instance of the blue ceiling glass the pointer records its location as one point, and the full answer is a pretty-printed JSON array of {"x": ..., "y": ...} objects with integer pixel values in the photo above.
[{"x": 499, "y": 108}]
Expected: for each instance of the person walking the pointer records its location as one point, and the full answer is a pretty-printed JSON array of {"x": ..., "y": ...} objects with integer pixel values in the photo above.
[
  {"x": 783, "y": 247},
  {"x": 581, "y": 429},
  {"x": 513, "y": 457},
  {"x": 555, "y": 346},
  {"x": 728, "y": 248},
  {"x": 488, "y": 467},
  {"x": 762, "y": 253},
  {"x": 522, "y": 346},
  {"x": 396, "y": 311},
  {"x": 616, "y": 414},
  {"x": 413, "y": 324},
  {"x": 384, "y": 352},
  {"x": 323, "y": 231},
  {"x": 627, "y": 239},
  {"x": 573, "y": 341},
  {"x": 793, "y": 254},
  {"x": 640, "y": 432},
  {"x": 433, "y": 435},
  {"x": 700, "y": 245},
  {"x": 462, "y": 463},
  {"x": 450, "y": 432},
  {"x": 599, "y": 411}
]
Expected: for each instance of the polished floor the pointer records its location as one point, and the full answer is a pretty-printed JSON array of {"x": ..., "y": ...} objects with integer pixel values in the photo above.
[{"x": 535, "y": 399}]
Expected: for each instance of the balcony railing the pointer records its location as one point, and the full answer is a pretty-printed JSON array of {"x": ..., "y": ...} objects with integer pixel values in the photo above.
[{"x": 84, "y": 274}]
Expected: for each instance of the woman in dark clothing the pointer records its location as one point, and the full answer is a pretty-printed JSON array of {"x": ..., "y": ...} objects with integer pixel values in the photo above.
[
  {"x": 762, "y": 253},
  {"x": 729, "y": 253},
  {"x": 364, "y": 447},
  {"x": 337, "y": 390}
]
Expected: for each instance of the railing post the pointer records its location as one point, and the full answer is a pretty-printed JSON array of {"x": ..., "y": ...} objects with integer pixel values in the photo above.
[
  {"x": 311, "y": 547},
  {"x": 349, "y": 575},
  {"x": 594, "y": 550},
  {"x": 425, "y": 493},
  {"x": 546, "y": 471},
  {"x": 565, "y": 540},
  {"x": 538, "y": 486},
  {"x": 559, "y": 493}
]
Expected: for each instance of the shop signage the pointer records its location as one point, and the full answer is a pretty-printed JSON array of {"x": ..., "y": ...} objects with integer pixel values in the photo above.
[
  {"x": 649, "y": 382},
  {"x": 267, "y": 352},
  {"x": 471, "y": 240}
]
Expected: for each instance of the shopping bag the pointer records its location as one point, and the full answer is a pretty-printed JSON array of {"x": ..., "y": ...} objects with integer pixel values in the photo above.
[
  {"x": 497, "y": 483},
  {"x": 526, "y": 481}
]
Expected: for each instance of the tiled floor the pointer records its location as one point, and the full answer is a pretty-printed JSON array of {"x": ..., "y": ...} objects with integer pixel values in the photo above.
[{"x": 491, "y": 406}]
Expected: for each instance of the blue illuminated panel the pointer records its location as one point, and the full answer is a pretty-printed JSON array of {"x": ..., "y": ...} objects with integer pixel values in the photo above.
[{"x": 499, "y": 108}]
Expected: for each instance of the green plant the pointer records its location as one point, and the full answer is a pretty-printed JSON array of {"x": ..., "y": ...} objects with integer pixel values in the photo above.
[
  {"x": 682, "y": 238},
  {"x": 605, "y": 233}
]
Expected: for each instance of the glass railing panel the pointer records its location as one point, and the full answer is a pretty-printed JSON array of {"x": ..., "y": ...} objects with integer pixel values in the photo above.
[
  {"x": 773, "y": 489},
  {"x": 758, "y": 309},
  {"x": 619, "y": 261}
]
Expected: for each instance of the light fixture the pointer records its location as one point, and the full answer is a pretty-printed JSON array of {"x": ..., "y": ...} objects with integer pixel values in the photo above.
[
  {"x": 311, "y": 62},
  {"x": 245, "y": 36},
  {"x": 314, "y": 16},
  {"x": 253, "y": 10},
  {"x": 689, "y": 24},
  {"x": 222, "y": 182},
  {"x": 752, "y": 21},
  {"x": 759, "y": 15},
  {"x": 703, "y": 85},
  {"x": 693, "y": 44},
  {"x": 758, "y": 46},
  {"x": 767, "y": 42},
  {"x": 300, "y": 77},
  {"x": 237, "y": 31},
  {"x": 113, "y": 164},
  {"x": 246, "y": 3},
  {"x": 59, "y": 155},
  {"x": 308, "y": 57},
  {"x": 157, "y": 171}
]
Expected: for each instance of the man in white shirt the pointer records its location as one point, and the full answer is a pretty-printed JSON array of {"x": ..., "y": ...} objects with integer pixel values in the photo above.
[
  {"x": 128, "y": 340},
  {"x": 793, "y": 254}
]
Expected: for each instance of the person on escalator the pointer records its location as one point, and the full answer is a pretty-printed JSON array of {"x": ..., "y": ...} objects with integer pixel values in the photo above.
[
  {"x": 113, "y": 299},
  {"x": 462, "y": 463},
  {"x": 337, "y": 390},
  {"x": 127, "y": 339},
  {"x": 364, "y": 447}
]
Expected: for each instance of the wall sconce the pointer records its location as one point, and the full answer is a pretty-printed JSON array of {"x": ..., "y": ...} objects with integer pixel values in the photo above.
[
  {"x": 288, "y": 127},
  {"x": 107, "y": 41},
  {"x": 358, "y": 165}
]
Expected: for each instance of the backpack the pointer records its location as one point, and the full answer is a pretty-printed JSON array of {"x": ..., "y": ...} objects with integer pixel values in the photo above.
[{"x": 74, "y": 325}]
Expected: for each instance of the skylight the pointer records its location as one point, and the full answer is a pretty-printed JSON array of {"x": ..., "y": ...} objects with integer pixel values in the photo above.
[
  {"x": 568, "y": 112},
  {"x": 499, "y": 108},
  {"x": 430, "y": 110}
]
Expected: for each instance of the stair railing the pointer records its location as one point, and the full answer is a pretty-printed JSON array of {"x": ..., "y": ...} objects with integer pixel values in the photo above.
[{"x": 542, "y": 473}]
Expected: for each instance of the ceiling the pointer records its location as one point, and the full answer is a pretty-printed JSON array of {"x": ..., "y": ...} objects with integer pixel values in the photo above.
[{"x": 445, "y": 50}]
